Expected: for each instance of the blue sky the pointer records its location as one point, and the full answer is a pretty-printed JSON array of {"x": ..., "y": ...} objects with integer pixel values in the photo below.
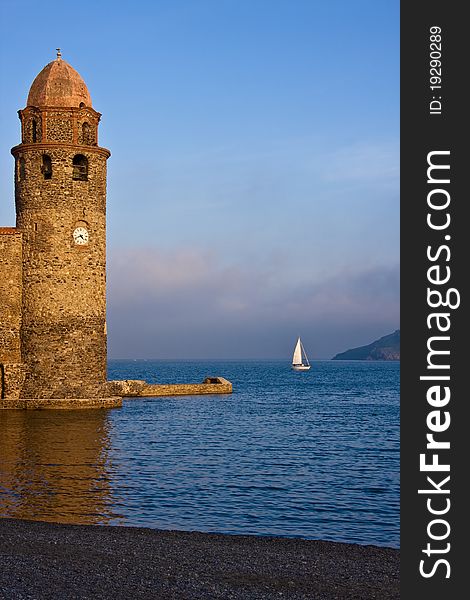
[{"x": 253, "y": 187}]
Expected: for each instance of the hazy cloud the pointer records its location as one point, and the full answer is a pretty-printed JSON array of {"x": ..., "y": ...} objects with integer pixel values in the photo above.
[{"x": 188, "y": 304}]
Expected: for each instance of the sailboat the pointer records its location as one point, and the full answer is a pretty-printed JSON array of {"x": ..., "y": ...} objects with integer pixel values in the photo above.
[{"x": 299, "y": 359}]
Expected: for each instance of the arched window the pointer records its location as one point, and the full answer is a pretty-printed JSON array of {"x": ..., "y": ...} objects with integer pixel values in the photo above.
[
  {"x": 34, "y": 130},
  {"x": 86, "y": 133},
  {"x": 80, "y": 168},
  {"x": 46, "y": 166},
  {"x": 22, "y": 169}
]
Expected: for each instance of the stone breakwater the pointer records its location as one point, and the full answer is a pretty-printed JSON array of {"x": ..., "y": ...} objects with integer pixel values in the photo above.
[
  {"x": 112, "y": 393},
  {"x": 136, "y": 388}
]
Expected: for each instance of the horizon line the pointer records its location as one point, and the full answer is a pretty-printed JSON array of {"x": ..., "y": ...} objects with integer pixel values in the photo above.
[{"x": 246, "y": 359}]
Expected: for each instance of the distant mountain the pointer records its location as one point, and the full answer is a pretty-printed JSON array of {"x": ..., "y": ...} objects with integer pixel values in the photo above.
[{"x": 386, "y": 348}]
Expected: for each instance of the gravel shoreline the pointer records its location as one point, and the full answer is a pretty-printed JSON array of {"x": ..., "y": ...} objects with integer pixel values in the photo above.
[{"x": 48, "y": 561}]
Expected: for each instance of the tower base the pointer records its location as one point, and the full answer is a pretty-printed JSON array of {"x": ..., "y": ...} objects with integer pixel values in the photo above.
[{"x": 60, "y": 403}]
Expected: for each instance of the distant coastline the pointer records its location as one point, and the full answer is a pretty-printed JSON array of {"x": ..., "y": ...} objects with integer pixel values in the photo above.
[{"x": 385, "y": 348}]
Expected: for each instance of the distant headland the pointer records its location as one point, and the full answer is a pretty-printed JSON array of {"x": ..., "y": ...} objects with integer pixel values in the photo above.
[{"x": 385, "y": 348}]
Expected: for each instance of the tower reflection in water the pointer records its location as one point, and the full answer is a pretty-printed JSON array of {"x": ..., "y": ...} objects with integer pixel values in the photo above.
[{"x": 55, "y": 466}]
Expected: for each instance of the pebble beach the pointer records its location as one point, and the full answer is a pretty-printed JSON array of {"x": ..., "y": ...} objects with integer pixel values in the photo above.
[{"x": 49, "y": 560}]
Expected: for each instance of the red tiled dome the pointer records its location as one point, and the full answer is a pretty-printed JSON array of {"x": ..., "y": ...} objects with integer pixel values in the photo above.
[{"x": 58, "y": 84}]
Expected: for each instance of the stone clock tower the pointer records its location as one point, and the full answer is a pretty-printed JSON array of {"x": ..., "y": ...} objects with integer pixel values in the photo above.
[
  {"x": 53, "y": 263},
  {"x": 60, "y": 193}
]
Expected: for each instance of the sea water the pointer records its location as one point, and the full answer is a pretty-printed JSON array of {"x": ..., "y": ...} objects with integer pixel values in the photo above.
[{"x": 305, "y": 454}]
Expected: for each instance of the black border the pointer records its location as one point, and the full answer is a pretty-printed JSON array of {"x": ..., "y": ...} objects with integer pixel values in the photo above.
[{"x": 422, "y": 132}]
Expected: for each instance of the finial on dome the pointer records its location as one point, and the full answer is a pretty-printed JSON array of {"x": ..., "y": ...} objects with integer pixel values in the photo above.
[{"x": 59, "y": 54}]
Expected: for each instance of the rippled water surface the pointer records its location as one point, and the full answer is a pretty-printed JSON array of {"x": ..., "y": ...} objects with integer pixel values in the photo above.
[{"x": 312, "y": 454}]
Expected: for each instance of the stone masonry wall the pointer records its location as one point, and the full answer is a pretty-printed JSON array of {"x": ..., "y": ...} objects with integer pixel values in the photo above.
[
  {"x": 10, "y": 294},
  {"x": 60, "y": 403},
  {"x": 59, "y": 128},
  {"x": 12, "y": 371},
  {"x": 12, "y": 380},
  {"x": 63, "y": 334}
]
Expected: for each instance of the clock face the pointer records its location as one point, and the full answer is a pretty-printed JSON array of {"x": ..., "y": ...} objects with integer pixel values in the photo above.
[{"x": 80, "y": 236}]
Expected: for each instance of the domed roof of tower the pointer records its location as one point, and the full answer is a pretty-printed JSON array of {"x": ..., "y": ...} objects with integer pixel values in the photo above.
[{"x": 58, "y": 84}]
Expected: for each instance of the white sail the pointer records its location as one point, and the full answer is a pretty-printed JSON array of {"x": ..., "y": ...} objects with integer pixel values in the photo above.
[
  {"x": 297, "y": 358},
  {"x": 304, "y": 354}
]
